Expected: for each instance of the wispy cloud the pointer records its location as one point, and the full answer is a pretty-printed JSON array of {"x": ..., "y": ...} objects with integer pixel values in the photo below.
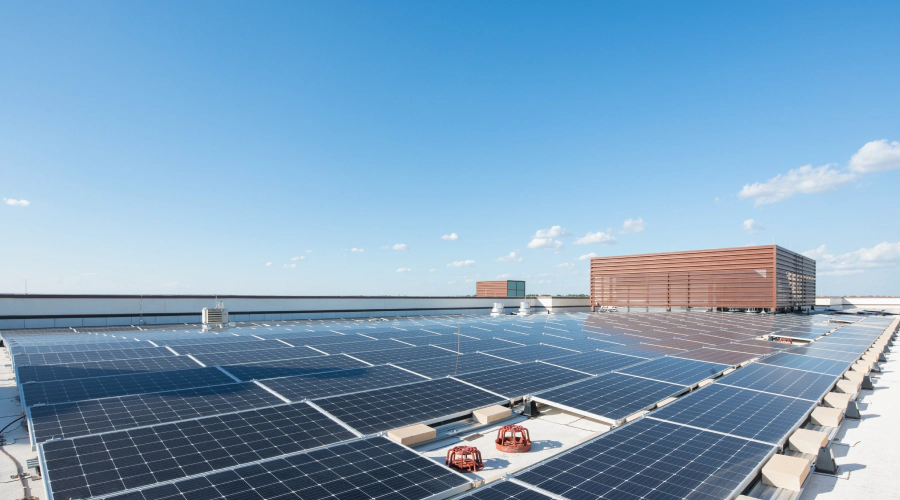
[
  {"x": 512, "y": 257},
  {"x": 290, "y": 266},
  {"x": 462, "y": 263},
  {"x": 876, "y": 156},
  {"x": 268, "y": 264},
  {"x": 565, "y": 265},
  {"x": 587, "y": 256},
  {"x": 752, "y": 227},
  {"x": 357, "y": 250},
  {"x": 547, "y": 238},
  {"x": 504, "y": 276},
  {"x": 299, "y": 257},
  {"x": 633, "y": 226},
  {"x": 596, "y": 238},
  {"x": 16, "y": 203},
  {"x": 404, "y": 270},
  {"x": 450, "y": 237},
  {"x": 432, "y": 270},
  {"x": 400, "y": 246},
  {"x": 884, "y": 254}
]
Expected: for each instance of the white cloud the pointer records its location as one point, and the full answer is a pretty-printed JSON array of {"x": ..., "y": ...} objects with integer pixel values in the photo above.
[
  {"x": 633, "y": 226},
  {"x": 544, "y": 238},
  {"x": 504, "y": 276},
  {"x": 805, "y": 180},
  {"x": 400, "y": 246},
  {"x": 544, "y": 282},
  {"x": 432, "y": 270},
  {"x": 404, "y": 270},
  {"x": 512, "y": 257},
  {"x": 450, "y": 237},
  {"x": 587, "y": 256},
  {"x": 876, "y": 156},
  {"x": 357, "y": 250},
  {"x": 462, "y": 263},
  {"x": 752, "y": 227},
  {"x": 881, "y": 255},
  {"x": 594, "y": 238},
  {"x": 299, "y": 257},
  {"x": 268, "y": 264},
  {"x": 16, "y": 203},
  {"x": 290, "y": 266},
  {"x": 309, "y": 251},
  {"x": 565, "y": 265}
]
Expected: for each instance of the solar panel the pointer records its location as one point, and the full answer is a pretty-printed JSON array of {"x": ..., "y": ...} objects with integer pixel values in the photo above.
[
  {"x": 739, "y": 412},
  {"x": 523, "y": 379},
  {"x": 596, "y": 362},
  {"x": 530, "y": 353},
  {"x": 61, "y": 391},
  {"x": 55, "y": 346},
  {"x": 613, "y": 396},
  {"x": 108, "y": 463},
  {"x": 59, "y": 358},
  {"x": 718, "y": 355},
  {"x": 291, "y": 367},
  {"x": 340, "y": 382},
  {"x": 236, "y": 358},
  {"x": 46, "y": 373},
  {"x": 652, "y": 459},
  {"x": 643, "y": 350},
  {"x": 402, "y": 354},
  {"x": 428, "y": 401},
  {"x": 783, "y": 381},
  {"x": 505, "y": 490},
  {"x": 368, "y": 468},
  {"x": 676, "y": 370},
  {"x": 849, "y": 357},
  {"x": 216, "y": 346},
  {"x": 66, "y": 420},
  {"x": 808, "y": 363},
  {"x": 446, "y": 366}
]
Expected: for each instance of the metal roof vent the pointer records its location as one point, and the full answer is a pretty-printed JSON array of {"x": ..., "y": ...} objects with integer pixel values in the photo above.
[
  {"x": 524, "y": 309},
  {"x": 216, "y": 317},
  {"x": 498, "y": 309}
]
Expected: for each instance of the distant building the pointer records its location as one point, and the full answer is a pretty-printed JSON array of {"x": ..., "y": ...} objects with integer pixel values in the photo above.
[
  {"x": 506, "y": 288},
  {"x": 767, "y": 278}
]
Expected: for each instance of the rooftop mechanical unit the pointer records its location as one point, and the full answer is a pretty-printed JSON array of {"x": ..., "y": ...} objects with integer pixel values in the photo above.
[{"x": 217, "y": 316}]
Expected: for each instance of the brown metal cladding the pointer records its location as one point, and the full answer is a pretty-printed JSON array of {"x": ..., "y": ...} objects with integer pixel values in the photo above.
[
  {"x": 746, "y": 277},
  {"x": 491, "y": 289}
]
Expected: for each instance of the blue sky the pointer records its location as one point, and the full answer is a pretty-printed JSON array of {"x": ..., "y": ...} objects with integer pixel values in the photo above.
[{"x": 181, "y": 147}]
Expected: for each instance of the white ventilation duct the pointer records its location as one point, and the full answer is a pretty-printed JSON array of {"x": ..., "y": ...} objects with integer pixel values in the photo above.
[
  {"x": 498, "y": 309},
  {"x": 524, "y": 309}
]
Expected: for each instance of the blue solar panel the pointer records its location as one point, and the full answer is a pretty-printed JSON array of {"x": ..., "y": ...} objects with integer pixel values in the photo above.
[
  {"x": 814, "y": 352},
  {"x": 739, "y": 412},
  {"x": 454, "y": 365},
  {"x": 523, "y": 379},
  {"x": 783, "y": 381},
  {"x": 505, "y": 490},
  {"x": 676, "y": 370},
  {"x": 291, "y": 367},
  {"x": 652, "y": 459},
  {"x": 613, "y": 396},
  {"x": 807, "y": 363},
  {"x": 596, "y": 362}
]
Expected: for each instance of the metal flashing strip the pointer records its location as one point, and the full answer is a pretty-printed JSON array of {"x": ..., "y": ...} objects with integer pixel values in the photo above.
[
  {"x": 654, "y": 379},
  {"x": 449, "y": 350},
  {"x": 558, "y": 347},
  {"x": 285, "y": 343},
  {"x": 335, "y": 419},
  {"x": 774, "y": 393},
  {"x": 272, "y": 391},
  {"x": 153, "y": 343},
  {"x": 173, "y": 351},
  {"x": 542, "y": 491},
  {"x": 513, "y": 331},
  {"x": 230, "y": 375},
  {"x": 366, "y": 336},
  {"x": 567, "y": 368},
  {"x": 571, "y": 409},
  {"x": 357, "y": 359},
  {"x": 317, "y": 350},
  {"x": 257, "y": 336},
  {"x": 191, "y": 356},
  {"x": 410, "y": 371},
  {"x": 510, "y": 341},
  {"x": 402, "y": 342},
  {"x": 498, "y": 357}
]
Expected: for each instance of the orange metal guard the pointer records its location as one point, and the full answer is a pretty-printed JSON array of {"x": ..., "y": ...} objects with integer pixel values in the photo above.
[
  {"x": 513, "y": 439},
  {"x": 465, "y": 458}
]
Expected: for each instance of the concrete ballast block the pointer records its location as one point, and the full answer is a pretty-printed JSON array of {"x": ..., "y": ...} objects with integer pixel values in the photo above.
[
  {"x": 827, "y": 417},
  {"x": 786, "y": 472},
  {"x": 848, "y": 386},
  {"x": 490, "y": 414},
  {"x": 837, "y": 400},
  {"x": 807, "y": 441},
  {"x": 412, "y": 434},
  {"x": 854, "y": 376}
]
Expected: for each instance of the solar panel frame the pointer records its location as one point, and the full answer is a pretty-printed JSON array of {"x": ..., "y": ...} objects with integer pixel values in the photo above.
[
  {"x": 447, "y": 366},
  {"x": 521, "y": 380},
  {"x": 676, "y": 370},
  {"x": 69, "y": 357},
  {"x": 49, "y": 373},
  {"x": 292, "y": 367},
  {"x": 807, "y": 363},
  {"x": 337, "y": 382},
  {"x": 596, "y": 362},
  {"x": 505, "y": 490},
  {"x": 718, "y": 355}
]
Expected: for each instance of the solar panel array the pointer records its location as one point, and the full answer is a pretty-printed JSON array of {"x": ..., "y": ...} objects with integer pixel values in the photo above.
[{"x": 280, "y": 408}]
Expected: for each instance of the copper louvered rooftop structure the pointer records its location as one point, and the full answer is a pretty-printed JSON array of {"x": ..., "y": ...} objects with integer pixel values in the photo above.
[
  {"x": 504, "y": 288},
  {"x": 761, "y": 277}
]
